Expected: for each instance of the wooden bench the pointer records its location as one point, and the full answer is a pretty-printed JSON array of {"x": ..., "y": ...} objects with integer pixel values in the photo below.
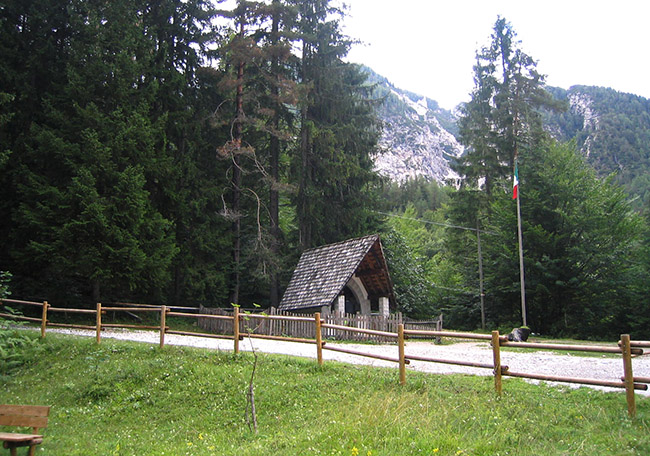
[{"x": 33, "y": 416}]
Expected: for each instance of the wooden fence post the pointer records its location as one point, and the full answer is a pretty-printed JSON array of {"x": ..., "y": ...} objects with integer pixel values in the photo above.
[
  {"x": 44, "y": 319},
  {"x": 235, "y": 328},
  {"x": 319, "y": 339},
  {"x": 496, "y": 355},
  {"x": 98, "y": 323},
  {"x": 629, "y": 376},
  {"x": 163, "y": 325},
  {"x": 402, "y": 358}
]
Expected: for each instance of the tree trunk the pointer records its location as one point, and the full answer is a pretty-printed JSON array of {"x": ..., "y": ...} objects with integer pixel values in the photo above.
[
  {"x": 303, "y": 200},
  {"x": 96, "y": 290},
  {"x": 274, "y": 165},
  {"x": 304, "y": 222},
  {"x": 236, "y": 180}
]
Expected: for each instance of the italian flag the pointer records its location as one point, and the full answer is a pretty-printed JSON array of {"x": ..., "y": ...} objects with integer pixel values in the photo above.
[{"x": 515, "y": 182}]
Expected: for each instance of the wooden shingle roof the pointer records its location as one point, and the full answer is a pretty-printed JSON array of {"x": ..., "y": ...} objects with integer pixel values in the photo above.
[{"x": 323, "y": 272}]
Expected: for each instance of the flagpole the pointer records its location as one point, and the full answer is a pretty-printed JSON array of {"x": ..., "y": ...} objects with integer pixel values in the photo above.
[{"x": 521, "y": 249}]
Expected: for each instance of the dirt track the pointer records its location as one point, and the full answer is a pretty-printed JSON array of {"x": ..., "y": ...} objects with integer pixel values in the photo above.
[{"x": 604, "y": 367}]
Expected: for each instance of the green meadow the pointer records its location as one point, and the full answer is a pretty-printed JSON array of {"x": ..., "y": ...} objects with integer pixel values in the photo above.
[{"x": 127, "y": 398}]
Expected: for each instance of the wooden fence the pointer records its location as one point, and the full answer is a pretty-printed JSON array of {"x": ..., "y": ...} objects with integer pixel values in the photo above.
[
  {"x": 241, "y": 322},
  {"x": 304, "y": 327}
]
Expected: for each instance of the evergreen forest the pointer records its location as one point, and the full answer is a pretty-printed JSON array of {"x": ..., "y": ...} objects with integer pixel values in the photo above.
[
  {"x": 615, "y": 139},
  {"x": 183, "y": 153}
]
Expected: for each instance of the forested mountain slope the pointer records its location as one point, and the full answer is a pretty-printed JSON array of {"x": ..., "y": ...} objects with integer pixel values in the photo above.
[{"x": 612, "y": 129}]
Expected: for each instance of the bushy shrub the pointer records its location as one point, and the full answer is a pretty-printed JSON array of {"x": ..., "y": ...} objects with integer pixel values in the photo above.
[{"x": 17, "y": 346}]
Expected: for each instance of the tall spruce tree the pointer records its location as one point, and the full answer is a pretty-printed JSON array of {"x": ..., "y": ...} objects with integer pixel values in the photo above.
[
  {"x": 280, "y": 124},
  {"x": 89, "y": 218},
  {"x": 500, "y": 122},
  {"x": 92, "y": 177},
  {"x": 582, "y": 250},
  {"x": 185, "y": 182},
  {"x": 503, "y": 117},
  {"x": 259, "y": 72},
  {"x": 339, "y": 131},
  {"x": 34, "y": 38}
]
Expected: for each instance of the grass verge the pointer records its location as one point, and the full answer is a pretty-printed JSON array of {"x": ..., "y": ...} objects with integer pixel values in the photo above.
[{"x": 126, "y": 398}]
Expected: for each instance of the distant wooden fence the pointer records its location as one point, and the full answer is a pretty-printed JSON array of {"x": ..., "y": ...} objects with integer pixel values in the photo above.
[
  {"x": 315, "y": 329},
  {"x": 304, "y": 328}
]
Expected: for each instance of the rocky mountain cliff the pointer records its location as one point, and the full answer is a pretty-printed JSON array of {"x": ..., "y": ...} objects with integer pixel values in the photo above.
[{"x": 418, "y": 137}]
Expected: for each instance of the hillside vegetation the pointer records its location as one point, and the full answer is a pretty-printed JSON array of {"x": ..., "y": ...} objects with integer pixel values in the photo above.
[
  {"x": 612, "y": 130},
  {"x": 125, "y": 398}
]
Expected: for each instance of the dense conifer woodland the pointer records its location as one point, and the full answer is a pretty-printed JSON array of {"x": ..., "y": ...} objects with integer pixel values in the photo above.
[{"x": 175, "y": 152}]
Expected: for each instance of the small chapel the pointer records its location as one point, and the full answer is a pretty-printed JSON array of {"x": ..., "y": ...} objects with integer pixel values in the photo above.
[{"x": 349, "y": 277}]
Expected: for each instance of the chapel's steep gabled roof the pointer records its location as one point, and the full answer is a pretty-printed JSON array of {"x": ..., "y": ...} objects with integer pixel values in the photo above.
[{"x": 323, "y": 272}]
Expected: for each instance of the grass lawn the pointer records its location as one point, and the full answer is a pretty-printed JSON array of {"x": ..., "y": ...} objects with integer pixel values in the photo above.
[{"x": 126, "y": 398}]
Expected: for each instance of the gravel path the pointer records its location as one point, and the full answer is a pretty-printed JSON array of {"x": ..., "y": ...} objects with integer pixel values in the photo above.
[{"x": 603, "y": 367}]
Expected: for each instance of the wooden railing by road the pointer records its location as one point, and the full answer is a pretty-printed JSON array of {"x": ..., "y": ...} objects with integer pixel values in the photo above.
[{"x": 244, "y": 324}]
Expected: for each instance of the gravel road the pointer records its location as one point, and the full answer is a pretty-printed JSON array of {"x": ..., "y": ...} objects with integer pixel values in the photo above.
[{"x": 603, "y": 367}]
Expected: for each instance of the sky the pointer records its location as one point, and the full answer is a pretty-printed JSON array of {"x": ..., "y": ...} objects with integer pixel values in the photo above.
[{"x": 429, "y": 46}]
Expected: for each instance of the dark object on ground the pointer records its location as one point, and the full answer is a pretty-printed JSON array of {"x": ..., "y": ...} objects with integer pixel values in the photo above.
[{"x": 519, "y": 335}]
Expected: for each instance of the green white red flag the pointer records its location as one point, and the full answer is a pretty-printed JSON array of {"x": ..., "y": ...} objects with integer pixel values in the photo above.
[{"x": 515, "y": 182}]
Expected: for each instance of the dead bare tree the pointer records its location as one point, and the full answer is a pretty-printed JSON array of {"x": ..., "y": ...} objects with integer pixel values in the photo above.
[
  {"x": 250, "y": 413},
  {"x": 251, "y": 418}
]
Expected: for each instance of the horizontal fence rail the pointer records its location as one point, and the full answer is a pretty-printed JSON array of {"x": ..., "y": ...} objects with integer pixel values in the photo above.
[
  {"x": 569, "y": 347},
  {"x": 451, "y": 334},
  {"x": 454, "y": 362},
  {"x": 236, "y": 324},
  {"x": 583, "y": 381},
  {"x": 371, "y": 332},
  {"x": 367, "y": 355},
  {"x": 17, "y": 301}
]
